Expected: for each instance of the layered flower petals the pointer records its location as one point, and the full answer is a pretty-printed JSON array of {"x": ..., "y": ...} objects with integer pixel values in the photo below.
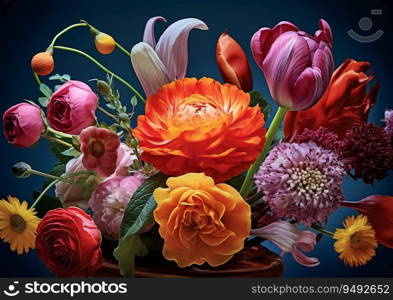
[
  {"x": 232, "y": 62},
  {"x": 379, "y": 210},
  {"x": 148, "y": 34},
  {"x": 201, "y": 221},
  {"x": 346, "y": 103},
  {"x": 201, "y": 125},
  {"x": 297, "y": 67}
]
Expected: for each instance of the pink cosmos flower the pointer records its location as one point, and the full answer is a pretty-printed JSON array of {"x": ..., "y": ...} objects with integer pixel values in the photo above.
[
  {"x": 109, "y": 201},
  {"x": 297, "y": 66},
  {"x": 23, "y": 124},
  {"x": 72, "y": 107},
  {"x": 290, "y": 239},
  {"x": 301, "y": 181},
  {"x": 156, "y": 64},
  {"x": 100, "y": 150}
]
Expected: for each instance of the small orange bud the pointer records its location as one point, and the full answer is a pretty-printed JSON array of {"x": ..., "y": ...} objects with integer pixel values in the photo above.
[
  {"x": 42, "y": 63},
  {"x": 105, "y": 44}
]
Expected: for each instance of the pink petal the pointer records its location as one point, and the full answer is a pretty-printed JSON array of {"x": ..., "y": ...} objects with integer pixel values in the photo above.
[
  {"x": 148, "y": 35},
  {"x": 172, "y": 46},
  {"x": 306, "y": 243},
  {"x": 323, "y": 59},
  {"x": 307, "y": 89},
  {"x": 324, "y": 33},
  {"x": 148, "y": 67}
]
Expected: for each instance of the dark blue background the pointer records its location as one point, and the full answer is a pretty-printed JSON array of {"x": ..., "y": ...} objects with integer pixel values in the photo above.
[{"x": 28, "y": 26}]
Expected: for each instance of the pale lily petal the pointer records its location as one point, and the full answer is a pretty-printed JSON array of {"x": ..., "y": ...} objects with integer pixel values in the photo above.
[
  {"x": 148, "y": 67},
  {"x": 148, "y": 35},
  {"x": 306, "y": 243},
  {"x": 172, "y": 46}
]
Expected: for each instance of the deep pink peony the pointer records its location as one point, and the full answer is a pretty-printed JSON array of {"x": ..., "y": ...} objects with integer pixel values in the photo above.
[
  {"x": 23, "y": 125},
  {"x": 301, "y": 181},
  {"x": 72, "y": 107},
  {"x": 297, "y": 66},
  {"x": 109, "y": 201}
]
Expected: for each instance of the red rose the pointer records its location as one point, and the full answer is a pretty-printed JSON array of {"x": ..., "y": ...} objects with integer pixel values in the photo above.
[{"x": 69, "y": 242}]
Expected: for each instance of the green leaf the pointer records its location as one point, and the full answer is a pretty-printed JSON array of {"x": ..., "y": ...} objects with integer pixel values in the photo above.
[
  {"x": 45, "y": 90},
  {"x": 134, "y": 101},
  {"x": 257, "y": 98},
  {"x": 71, "y": 152},
  {"x": 46, "y": 204},
  {"x": 43, "y": 101},
  {"x": 58, "y": 170},
  {"x": 139, "y": 213},
  {"x": 55, "y": 77},
  {"x": 58, "y": 150},
  {"x": 66, "y": 77}
]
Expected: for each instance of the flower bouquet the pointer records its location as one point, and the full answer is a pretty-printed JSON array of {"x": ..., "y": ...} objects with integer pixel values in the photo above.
[{"x": 200, "y": 184}]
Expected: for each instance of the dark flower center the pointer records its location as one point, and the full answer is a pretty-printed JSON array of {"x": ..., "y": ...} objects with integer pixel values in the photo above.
[
  {"x": 96, "y": 148},
  {"x": 61, "y": 113},
  {"x": 18, "y": 224},
  {"x": 11, "y": 127}
]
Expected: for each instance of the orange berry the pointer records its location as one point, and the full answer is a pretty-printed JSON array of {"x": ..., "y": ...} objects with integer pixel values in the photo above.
[
  {"x": 105, "y": 44},
  {"x": 42, "y": 63}
]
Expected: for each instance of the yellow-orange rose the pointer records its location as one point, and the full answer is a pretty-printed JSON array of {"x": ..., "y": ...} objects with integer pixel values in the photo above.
[{"x": 201, "y": 221}]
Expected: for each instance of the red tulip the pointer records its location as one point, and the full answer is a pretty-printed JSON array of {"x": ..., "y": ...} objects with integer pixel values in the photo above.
[
  {"x": 379, "y": 210},
  {"x": 232, "y": 62},
  {"x": 345, "y": 104}
]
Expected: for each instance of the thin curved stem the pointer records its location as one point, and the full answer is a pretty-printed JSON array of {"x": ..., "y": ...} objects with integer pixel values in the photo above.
[
  {"x": 56, "y": 140},
  {"x": 64, "y": 31},
  {"x": 37, "y": 78},
  {"x": 107, "y": 113},
  {"x": 59, "y": 133},
  {"x": 124, "y": 50},
  {"x": 321, "y": 230},
  {"x": 279, "y": 116},
  {"x": 102, "y": 68},
  {"x": 56, "y": 181}
]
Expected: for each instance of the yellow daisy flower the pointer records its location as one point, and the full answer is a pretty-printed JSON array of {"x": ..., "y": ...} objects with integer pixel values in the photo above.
[
  {"x": 356, "y": 243},
  {"x": 18, "y": 224}
]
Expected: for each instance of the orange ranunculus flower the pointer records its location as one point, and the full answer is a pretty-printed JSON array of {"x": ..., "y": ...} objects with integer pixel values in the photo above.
[
  {"x": 200, "y": 125},
  {"x": 345, "y": 104},
  {"x": 201, "y": 221}
]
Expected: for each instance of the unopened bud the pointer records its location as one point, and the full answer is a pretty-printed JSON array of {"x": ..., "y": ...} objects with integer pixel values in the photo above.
[
  {"x": 21, "y": 170},
  {"x": 103, "y": 87}
]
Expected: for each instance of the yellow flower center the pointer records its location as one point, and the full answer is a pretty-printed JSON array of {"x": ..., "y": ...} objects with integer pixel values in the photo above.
[
  {"x": 96, "y": 148},
  {"x": 18, "y": 224}
]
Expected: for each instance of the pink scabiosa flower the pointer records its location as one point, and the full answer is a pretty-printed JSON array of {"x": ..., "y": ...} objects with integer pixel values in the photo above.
[
  {"x": 100, "y": 150},
  {"x": 301, "y": 181},
  {"x": 156, "y": 64},
  {"x": 290, "y": 239},
  {"x": 369, "y": 151},
  {"x": 72, "y": 107},
  {"x": 109, "y": 201},
  {"x": 23, "y": 125},
  {"x": 297, "y": 66},
  {"x": 389, "y": 122}
]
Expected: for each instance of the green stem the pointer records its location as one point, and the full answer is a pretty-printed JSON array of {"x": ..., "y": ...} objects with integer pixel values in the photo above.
[
  {"x": 269, "y": 139},
  {"x": 124, "y": 50},
  {"x": 56, "y": 140},
  {"x": 102, "y": 68},
  {"x": 56, "y": 181},
  {"x": 37, "y": 79},
  {"x": 321, "y": 230},
  {"x": 64, "y": 31},
  {"x": 107, "y": 113},
  {"x": 50, "y": 176},
  {"x": 59, "y": 133}
]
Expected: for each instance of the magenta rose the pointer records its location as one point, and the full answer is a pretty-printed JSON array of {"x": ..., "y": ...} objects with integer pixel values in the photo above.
[
  {"x": 109, "y": 201},
  {"x": 23, "y": 124},
  {"x": 72, "y": 107},
  {"x": 68, "y": 242}
]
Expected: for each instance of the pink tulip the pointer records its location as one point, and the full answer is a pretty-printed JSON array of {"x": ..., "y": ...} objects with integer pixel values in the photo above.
[
  {"x": 290, "y": 239},
  {"x": 297, "y": 66},
  {"x": 379, "y": 211},
  {"x": 23, "y": 125},
  {"x": 72, "y": 107},
  {"x": 110, "y": 200}
]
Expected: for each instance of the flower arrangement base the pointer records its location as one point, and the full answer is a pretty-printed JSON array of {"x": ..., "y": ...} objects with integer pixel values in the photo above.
[{"x": 256, "y": 261}]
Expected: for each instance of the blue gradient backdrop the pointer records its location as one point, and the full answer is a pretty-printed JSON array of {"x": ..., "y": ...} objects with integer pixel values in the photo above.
[{"x": 28, "y": 26}]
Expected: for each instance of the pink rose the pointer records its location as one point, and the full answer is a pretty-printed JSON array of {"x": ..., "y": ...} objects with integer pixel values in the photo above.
[
  {"x": 72, "y": 107},
  {"x": 110, "y": 200},
  {"x": 23, "y": 125},
  {"x": 75, "y": 195}
]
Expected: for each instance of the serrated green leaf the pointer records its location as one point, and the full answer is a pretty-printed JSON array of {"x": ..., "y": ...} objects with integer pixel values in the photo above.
[
  {"x": 257, "y": 98},
  {"x": 45, "y": 90},
  {"x": 43, "y": 101},
  {"x": 45, "y": 204},
  {"x": 134, "y": 101},
  {"x": 139, "y": 213}
]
